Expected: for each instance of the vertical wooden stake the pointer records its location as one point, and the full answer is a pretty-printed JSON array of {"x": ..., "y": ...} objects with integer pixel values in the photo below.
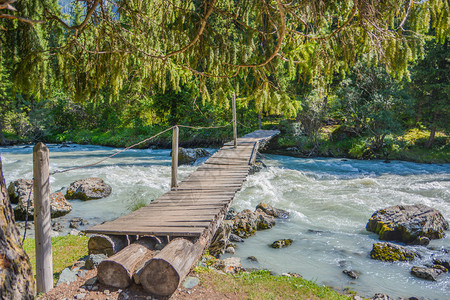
[
  {"x": 234, "y": 121},
  {"x": 174, "y": 182},
  {"x": 42, "y": 220}
]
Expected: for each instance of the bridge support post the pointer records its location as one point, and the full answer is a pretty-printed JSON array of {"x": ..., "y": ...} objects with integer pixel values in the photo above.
[
  {"x": 175, "y": 134},
  {"x": 234, "y": 121},
  {"x": 42, "y": 221}
]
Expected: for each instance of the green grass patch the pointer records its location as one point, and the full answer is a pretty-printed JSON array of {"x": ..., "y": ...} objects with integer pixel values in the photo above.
[
  {"x": 262, "y": 285},
  {"x": 65, "y": 251}
]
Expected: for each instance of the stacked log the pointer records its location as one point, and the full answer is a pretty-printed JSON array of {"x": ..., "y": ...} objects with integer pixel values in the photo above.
[
  {"x": 108, "y": 244},
  {"x": 118, "y": 270}
]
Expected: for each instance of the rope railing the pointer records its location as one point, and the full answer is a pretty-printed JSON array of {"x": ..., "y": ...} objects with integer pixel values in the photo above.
[{"x": 111, "y": 156}]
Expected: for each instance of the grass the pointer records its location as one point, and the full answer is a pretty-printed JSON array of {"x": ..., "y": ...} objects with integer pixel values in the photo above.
[
  {"x": 65, "y": 251},
  {"x": 262, "y": 285}
]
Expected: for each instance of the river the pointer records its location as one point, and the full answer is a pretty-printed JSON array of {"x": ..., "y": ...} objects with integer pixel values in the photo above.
[{"x": 329, "y": 200}]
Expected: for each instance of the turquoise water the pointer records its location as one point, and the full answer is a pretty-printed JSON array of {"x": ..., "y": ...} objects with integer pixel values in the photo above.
[{"x": 330, "y": 201}]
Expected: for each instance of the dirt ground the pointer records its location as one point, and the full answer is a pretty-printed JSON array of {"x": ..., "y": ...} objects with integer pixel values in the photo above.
[{"x": 78, "y": 290}]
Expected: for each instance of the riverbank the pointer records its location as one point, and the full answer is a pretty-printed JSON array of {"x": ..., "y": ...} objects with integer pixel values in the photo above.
[
  {"x": 213, "y": 284},
  {"x": 408, "y": 146}
]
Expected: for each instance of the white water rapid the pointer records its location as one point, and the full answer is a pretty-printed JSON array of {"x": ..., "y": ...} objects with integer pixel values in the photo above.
[{"x": 329, "y": 200}]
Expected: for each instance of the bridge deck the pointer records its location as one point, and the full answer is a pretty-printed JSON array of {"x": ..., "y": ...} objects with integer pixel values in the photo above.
[{"x": 199, "y": 200}]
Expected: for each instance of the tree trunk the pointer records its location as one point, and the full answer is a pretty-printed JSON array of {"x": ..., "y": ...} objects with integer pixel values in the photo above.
[
  {"x": 16, "y": 276},
  {"x": 432, "y": 132},
  {"x": 2, "y": 136}
]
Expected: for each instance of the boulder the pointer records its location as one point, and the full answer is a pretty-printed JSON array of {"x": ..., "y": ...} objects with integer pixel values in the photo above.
[
  {"x": 246, "y": 223},
  {"x": 281, "y": 243},
  {"x": 391, "y": 252},
  {"x": 88, "y": 189},
  {"x": 221, "y": 239},
  {"x": 188, "y": 156},
  {"x": 20, "y": 189},
  {"x": 272, "y": 211},
  {"x": 59, "y": 207},
  {"x": 406, "y": 223},
  {"x": 66, "y": 276},
  {"x": 442, "y": 262},
  {"x": 426, "y": 273}
]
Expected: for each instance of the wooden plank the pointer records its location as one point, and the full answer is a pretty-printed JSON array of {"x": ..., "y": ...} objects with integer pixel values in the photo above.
[{"x": 181, "y": 231}]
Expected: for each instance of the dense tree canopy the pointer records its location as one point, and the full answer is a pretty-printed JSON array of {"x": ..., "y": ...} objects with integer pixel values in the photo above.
[{"x": 249, "y": 47}]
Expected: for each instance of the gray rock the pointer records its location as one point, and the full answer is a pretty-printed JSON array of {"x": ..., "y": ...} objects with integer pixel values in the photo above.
[
  {"x": 252, "y": 258},
  {"x": 56, "y": 226},
  {"x": 91, "y": 281},
  {"x": 231, "y": 213},
  {"x": 230, "y": 250},
  {"x": 272, "y": 211},
  {"x": 88, "y": 189},
  {"x": 76, "y": 222},
  {"x": 94, "y": 260},
  {"x": 230, "y": 265},
  {"x": 80, "y": 296},
  {"x": 20, "y": 191},
  {"x": 351, "y": 273},
  {"x": 236, "y": 239},
  {"x": 380, "y": 296},
  {"x": 281, "y": 243},
  {"x": 426, "y": 273},
  {"x": 188, "y": 156},
  {"x": 66, "y": 276},
  {"x": 391, "y": 252},
  {"x": 256, "y": 167},
  {"x": 74, "y": 232},
  {"x": 407, "y": 223},
  {"x": 190, "y": 282}
]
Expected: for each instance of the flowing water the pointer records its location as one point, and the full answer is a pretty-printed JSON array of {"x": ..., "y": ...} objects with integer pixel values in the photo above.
[{"x": 330, "y": 202}]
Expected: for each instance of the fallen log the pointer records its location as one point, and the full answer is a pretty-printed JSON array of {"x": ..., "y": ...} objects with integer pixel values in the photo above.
[
  {"x": 117, "y": 271},
  {"x": 107, "y": 244}
]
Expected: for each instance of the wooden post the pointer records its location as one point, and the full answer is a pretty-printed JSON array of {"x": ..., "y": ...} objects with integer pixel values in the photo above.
[
  {"x": 259, "y": 121},
  {"x": 234, "y": 121},
  {"x": 175, "y": 157},
  {"x": 42, "y": 220}
]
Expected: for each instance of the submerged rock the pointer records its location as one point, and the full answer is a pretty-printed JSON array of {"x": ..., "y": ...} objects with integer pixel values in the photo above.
[
  {"x": 391, "y": 252},
  {"x": 188, "y": 156},
  {"x": 88, "y": 189},
  {"x": 442, "y": 262},
  {"x": 351, "y": 273},
  {"x": 281, "y": 243},
  {"x": 407, "y": 223},
  {"x": 426, "y": 273},
  {"x": 272, "y": 211}
]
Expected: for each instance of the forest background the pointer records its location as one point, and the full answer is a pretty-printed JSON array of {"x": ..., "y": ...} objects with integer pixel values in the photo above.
[{"x": 366, "y": 112}]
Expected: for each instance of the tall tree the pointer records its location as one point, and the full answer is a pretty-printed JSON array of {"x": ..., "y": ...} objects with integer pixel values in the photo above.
[
  {"x": 431, "y": 88},
  {"x": 16, "y": 276},
  {"x": 240, "y": 46}
]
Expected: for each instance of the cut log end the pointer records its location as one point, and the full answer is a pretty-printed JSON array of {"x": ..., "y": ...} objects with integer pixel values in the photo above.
[
  {"x": 160, "y": 278},
  {"x": 113, "y": 274}
]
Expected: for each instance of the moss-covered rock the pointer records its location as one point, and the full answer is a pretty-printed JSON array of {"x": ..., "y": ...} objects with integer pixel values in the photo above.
[
  {"x": 281, "y": 243},
  {"x": 426, "y": 273},
  {"x": 247, "y": 222},
  {"x": 408, "y": 223},
  {"x": 391, "y": 252}
]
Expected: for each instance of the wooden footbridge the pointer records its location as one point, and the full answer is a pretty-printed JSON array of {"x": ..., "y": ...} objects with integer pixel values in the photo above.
[
  {"x": 185, "y": 219},
  {"x": 189, "y": 209}
]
